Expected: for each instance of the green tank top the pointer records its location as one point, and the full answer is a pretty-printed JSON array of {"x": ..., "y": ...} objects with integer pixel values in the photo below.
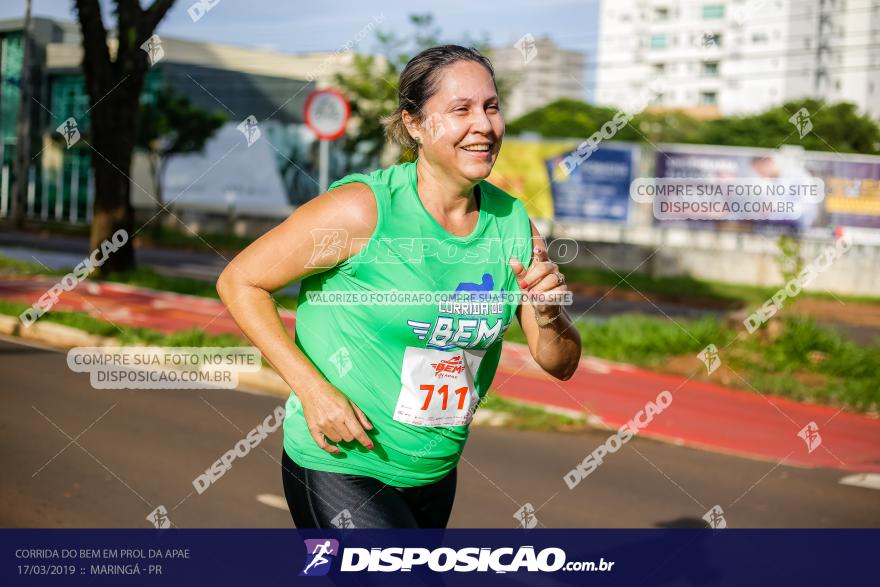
[{"x": 418, "y": 371}]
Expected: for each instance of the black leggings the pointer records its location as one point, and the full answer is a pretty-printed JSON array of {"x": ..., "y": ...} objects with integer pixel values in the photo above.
[{"x": 318, "y": 499}]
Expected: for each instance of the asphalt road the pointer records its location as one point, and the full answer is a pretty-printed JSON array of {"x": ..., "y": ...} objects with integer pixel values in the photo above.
[{"x": 136, "y": 450}]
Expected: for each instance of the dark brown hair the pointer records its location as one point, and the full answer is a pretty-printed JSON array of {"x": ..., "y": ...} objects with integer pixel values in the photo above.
[{"x": 419, "y": 81}]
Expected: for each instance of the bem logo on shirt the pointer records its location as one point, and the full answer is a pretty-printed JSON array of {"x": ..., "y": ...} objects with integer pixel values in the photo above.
[{"x": 448, "y": 368}]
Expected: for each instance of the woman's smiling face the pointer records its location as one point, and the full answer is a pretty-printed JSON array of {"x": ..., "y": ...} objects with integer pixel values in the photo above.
[{"x": 462, "y": 125}]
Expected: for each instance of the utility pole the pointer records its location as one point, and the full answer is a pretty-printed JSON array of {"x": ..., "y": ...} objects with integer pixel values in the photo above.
[{"x": 23, "y": 135}]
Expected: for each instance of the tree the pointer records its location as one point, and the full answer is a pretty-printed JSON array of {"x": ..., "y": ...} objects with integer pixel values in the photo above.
[
  {"x": 114, "y": 84},
  {"x": 569, "y": 118},
  {"x": 835, "y": 127},
  {"x": 172, "y": 126},
  {"x": 371, "y": 99},
  {"x": 668, "y": 126}
]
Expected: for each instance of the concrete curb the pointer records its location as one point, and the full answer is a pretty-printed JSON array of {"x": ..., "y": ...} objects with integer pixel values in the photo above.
[
  {"x": 56, "y": 335},
  {"x": 66, "y": 337},
  {"x": 9, "y": 325},
  {"x": 62, "y": 336}
]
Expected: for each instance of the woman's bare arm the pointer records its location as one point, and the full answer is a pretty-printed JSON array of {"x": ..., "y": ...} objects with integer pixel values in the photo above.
[
  {"x": 290, "y": 251},
  {"x": 556, "y": 347}
]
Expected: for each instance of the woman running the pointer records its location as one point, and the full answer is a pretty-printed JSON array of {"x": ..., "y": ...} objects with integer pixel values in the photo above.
[{"x": 388, "y": 390}]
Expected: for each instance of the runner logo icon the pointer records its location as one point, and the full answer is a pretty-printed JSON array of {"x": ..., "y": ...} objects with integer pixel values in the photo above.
[
  {"x": 477, "y": 291},
  {"x": 319, "y": 556}
]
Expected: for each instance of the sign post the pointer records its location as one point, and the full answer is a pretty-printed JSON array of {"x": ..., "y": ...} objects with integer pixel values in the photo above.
[{"x": 326, "y": 113}]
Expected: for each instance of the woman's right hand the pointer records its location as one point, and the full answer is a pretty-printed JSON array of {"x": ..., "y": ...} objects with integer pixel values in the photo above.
[{"x": 331, "y": 415}]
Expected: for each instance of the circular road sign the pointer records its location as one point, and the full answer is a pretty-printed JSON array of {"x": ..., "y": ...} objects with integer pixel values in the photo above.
[{"x": 327, "y": 112}]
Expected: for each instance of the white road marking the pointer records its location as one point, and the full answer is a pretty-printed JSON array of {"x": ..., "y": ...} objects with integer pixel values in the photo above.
[
  {"x": 869, "y": 480},
  {"x": 273, "y": 501}
]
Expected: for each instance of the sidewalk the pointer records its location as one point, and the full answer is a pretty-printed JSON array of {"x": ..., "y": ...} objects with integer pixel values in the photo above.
[{"x": 701, "y": 414}]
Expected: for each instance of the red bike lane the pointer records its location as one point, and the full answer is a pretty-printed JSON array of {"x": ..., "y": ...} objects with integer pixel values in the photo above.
[{"x": 701, "y": 414}]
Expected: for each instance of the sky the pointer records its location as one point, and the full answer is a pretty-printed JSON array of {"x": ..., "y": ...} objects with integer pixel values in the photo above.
[{"x": 297, "y": 26}]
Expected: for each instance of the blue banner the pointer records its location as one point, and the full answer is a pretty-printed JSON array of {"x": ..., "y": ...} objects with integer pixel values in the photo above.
[
  {"x": 597, "y": 187},
  {"x": 851, "y": 182},
  {"x": 677, "y": 556}
]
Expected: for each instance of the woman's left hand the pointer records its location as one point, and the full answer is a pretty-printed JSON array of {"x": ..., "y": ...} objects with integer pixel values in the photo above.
[{"x": 542, "y": 277}]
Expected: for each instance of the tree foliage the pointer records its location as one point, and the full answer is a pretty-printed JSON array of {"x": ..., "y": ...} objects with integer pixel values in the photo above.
[
  {"x": 835, "y": 127},
  {"x": 173, "y": 125}
]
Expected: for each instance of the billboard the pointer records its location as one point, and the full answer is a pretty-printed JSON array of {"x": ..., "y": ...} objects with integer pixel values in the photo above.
[
  {"x": 520, "y": 172},
  {"x": 852, "y": 182},
  {"x": 852, "y": 187},
  {"x": 598, "y": 188}
]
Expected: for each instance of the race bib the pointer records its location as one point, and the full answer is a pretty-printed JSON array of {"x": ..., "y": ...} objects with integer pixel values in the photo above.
[{"x": 437, "y": 387}]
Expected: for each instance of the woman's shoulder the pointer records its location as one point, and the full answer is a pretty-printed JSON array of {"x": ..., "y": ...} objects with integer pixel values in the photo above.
[
  {"x": 382, "y": 181},
  {"x": 382, "y": 177},
  {"x": 350, "y": 206},
  {"x": 365, "y": 197}
]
